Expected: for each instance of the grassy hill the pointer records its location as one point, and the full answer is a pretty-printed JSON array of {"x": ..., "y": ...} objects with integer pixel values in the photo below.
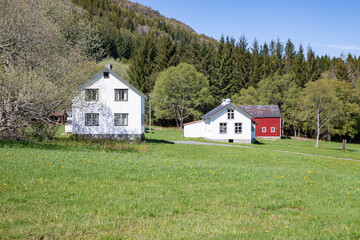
[{"x": 159, "y": 190}]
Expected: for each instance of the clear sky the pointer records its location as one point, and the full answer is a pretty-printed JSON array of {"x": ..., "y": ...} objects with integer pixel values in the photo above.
[{"x": 329, "y": 26}]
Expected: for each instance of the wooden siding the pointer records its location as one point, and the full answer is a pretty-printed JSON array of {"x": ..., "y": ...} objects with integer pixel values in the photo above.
[{"x": 268, "y": 123}]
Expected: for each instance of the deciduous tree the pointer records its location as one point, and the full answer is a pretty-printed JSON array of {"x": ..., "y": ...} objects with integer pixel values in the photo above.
[{"x": 178, "y": 93}]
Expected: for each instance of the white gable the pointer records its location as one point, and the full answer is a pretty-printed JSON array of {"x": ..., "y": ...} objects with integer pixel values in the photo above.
[{"x": 106, "y": 107}]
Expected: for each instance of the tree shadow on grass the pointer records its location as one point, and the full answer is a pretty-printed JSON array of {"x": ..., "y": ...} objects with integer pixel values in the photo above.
[{"x": 158, "y": 141}]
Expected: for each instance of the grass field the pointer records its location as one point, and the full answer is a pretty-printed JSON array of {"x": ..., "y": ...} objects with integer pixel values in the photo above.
[{"x": 158, "y": 190}]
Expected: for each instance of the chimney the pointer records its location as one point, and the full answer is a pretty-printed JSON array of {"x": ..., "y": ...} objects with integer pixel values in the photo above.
[
  {"x": 226, "y": 101},
  {"x": 109, "y": 66}
]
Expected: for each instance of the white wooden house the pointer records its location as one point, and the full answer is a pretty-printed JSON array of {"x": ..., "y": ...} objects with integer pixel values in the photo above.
[
  {"x": 225, "y": 123},
  {"x": 109, "y": 107}
]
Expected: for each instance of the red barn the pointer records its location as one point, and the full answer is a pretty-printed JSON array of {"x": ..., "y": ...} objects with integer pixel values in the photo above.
[{"x": 268, "y": 119}]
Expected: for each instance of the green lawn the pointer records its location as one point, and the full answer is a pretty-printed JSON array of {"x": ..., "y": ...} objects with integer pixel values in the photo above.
[{"x": 158, "y": 190}]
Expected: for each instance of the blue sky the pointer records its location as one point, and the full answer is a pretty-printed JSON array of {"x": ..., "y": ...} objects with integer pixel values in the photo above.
[{"x": 330, "y": 27}]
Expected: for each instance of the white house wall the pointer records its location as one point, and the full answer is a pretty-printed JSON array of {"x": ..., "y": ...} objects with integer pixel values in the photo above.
[
  {"x": 106, "y": 106},
  {"x": 213, "y": 131},
  {"x": 195, "y": 130}
]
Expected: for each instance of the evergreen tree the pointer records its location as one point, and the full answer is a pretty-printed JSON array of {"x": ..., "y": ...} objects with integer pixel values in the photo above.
[
  {"x": 289, "y": 57},
  {"x": 265, "y": 65},
  {"x": 242, "y": 65},
  {"x": 165, "y": 56},
  {"x": 141, "y": 66},
  {"x": 312, "y": 66},
  {"x": 279, "y": 50},
  {"x": 299, "y": 68},
  {"x": 255, "y": 64},
  {"x": 340, "y": 69}
]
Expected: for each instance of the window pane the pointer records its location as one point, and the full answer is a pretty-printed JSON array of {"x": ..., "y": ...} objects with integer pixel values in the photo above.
[
  {"x": 91, "y": 94},
  {"x": 121, "y": 94},
  {"x": 121, "y": 119},
  {"x": 91, "y": 119}
]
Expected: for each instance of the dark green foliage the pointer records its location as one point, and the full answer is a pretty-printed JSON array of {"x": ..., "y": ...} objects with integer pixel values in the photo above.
[
  {"x": 142, "y": 66},
  {"x": 299, "y": 68}
]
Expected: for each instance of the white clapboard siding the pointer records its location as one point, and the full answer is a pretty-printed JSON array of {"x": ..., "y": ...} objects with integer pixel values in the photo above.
[{"x": 106, "y": 106}]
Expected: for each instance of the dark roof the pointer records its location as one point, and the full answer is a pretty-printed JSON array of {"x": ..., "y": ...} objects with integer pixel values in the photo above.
[
  {"x": 215, "y": 110},
  {"x": 58, "y": 113},
  {"x": 262, "y": 111}
]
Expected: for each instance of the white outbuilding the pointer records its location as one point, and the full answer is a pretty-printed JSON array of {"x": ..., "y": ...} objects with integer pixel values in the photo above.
[
  {"x": 109, "y": 107},
  {"x": 225, "y": 123}
]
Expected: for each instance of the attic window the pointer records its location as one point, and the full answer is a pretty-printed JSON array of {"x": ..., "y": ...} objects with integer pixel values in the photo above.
[
  {"x": 106, "y": 74},
  {"x": 230, "y": 113}
]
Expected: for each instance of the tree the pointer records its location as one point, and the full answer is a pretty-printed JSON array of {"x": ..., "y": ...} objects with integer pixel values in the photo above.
[
  {"x": 299, "y": 68},
  {"x": 247, "y": 96},
  {"x": 320, "y": 104},
  {"x": 44, "y": 59},
  {"x": 178, "y": 93},
  {"x": 312, "y": 66},
  {"x": 142, "y": 66},
  {"x": 289, "y": 56}
]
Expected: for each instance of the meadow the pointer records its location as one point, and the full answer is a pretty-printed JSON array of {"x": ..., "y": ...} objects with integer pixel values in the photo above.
[{"x": 158, "y": 190}]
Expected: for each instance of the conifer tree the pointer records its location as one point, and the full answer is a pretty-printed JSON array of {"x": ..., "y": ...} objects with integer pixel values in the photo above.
[
  {"x": 312, "y": 66},
  {"x": 340, "y": 69},
  {"x": 165, "y": 56},
  {"x": 255, "y": 64},
  {"x": 141, "y": 66},
  {"x": 279, "y": 49},
  {"x": 289, "y": 57},
  {"x": 265, "y": 65},
  {"x": 242, "y": 62},
  {"x": 299, "y": 68}
]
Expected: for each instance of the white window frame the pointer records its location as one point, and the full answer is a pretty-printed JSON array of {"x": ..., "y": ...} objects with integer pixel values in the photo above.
[
  {"x": 121, "y": 95},
  {"x": 92, "y": 94},
  {"x": 91, "y": 119},
  {"x": 263, "y": 129},
  {"x": 230, "y": 113},
  {"x": 272, "y": 129},
  {"x": 121, "y": 119},
  {"x": 238, "y": 129},
  {"x": 223, "y": 128}
]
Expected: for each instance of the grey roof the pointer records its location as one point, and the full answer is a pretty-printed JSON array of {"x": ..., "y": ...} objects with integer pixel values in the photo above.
[
  {"x": 215, "y": 110},
  {"x": 221, "y": 107},
  {"x": 262, "y": 111}
]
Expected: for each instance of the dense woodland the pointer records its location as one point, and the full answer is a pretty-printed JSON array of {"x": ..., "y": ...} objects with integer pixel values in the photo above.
[{"x": 248, "y": 72}]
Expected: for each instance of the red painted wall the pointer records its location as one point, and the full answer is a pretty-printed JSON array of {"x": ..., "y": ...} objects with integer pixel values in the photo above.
[{"x": 268, "y": 123}]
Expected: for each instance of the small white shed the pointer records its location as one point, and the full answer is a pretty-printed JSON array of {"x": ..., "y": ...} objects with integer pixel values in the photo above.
[{"x": 225, "y": 123}]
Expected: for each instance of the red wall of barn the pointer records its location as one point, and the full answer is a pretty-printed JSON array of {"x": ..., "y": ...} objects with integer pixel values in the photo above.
[{"x": 268, "y": 123}]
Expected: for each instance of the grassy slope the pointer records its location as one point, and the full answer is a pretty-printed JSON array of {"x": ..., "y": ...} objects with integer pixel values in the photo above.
[{"x": 174, "y": 191}]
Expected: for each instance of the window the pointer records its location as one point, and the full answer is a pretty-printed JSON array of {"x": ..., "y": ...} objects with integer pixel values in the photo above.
[
  {"x": 106, "y": 75},
  {"x": 121, "y": 94},
  {"x": 272, "y": 129},
  {"x": 264, "y": 129},
  {"x": 230, "y": 113},
  {"x": 91, "y": 94},
  {"x": 238, "y": 127},
  {"x": 91, "y": 119},
  {"x": 223, "y": 128},
  {"x": 121, "y": 119}
]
